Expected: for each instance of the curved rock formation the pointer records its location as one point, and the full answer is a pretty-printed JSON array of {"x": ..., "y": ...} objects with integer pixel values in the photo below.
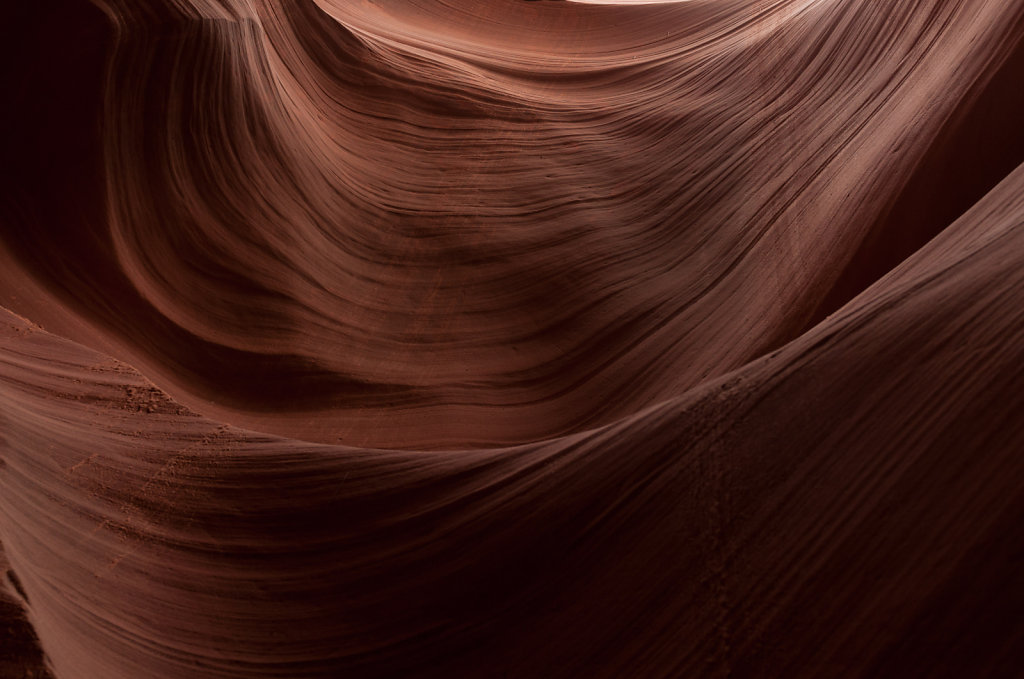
[{"x": 506, "y": 338}]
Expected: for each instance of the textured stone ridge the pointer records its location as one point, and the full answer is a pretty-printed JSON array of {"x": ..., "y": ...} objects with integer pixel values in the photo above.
[{"x": 416, "y": 338}]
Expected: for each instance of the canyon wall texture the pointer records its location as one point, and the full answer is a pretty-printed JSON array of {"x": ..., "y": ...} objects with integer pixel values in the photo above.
[{"x": 498, "y": 338}]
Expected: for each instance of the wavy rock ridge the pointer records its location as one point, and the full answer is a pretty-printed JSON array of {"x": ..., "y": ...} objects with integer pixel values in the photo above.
[{"x": 408, "y": 338}]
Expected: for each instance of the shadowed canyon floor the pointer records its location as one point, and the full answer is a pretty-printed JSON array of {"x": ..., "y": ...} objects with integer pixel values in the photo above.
[{"x": 512, "y": 339}]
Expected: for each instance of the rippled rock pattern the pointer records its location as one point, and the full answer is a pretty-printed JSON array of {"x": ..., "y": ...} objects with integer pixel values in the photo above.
[{"x": 498, "y": 338}]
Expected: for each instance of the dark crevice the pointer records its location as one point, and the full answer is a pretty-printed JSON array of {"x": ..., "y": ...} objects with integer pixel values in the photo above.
[
  {"x": 980, "y": 145},
  {"x": 12, "y": 577},
  {"x": 20, "y": 655},
  {"x": 53, "y": 215}
]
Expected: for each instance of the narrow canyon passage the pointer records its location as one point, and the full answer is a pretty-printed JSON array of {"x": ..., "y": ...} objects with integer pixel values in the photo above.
[{"x": 502, "y": 338}]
